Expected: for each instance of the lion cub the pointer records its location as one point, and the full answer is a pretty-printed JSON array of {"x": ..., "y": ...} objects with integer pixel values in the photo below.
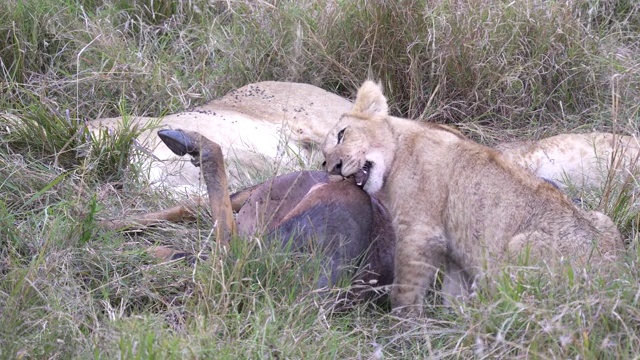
[{"x": 456, "y": 204}]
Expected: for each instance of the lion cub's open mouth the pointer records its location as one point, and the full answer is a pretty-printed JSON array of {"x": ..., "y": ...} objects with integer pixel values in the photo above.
[{"x": 363, "y": 174}]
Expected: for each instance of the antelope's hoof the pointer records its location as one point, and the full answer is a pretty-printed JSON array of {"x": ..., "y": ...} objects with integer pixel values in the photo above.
[{"x": 179, "y": 142}]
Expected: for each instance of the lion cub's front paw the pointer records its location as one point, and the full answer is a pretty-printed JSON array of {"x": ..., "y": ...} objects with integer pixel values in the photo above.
[{"x": 408, "y": 311}]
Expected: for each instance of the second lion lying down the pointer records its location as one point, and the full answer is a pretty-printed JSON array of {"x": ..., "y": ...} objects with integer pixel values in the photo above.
[{"x": 456, "y": 204}]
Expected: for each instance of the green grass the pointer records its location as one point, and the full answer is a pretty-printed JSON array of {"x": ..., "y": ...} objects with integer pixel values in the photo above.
[{"x": 496, "y": 70}]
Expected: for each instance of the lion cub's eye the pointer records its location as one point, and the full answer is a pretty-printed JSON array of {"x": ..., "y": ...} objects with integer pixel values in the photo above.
[{"x": 341, "y": 135}]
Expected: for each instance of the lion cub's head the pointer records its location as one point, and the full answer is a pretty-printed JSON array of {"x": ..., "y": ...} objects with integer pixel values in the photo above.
[{"x": 361, "y": 144}]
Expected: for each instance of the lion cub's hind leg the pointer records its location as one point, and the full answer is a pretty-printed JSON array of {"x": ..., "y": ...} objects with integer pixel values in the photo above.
[
  {"x": 600, "y": 240},
  {"x": 532, "y": 243},
  {"x": 608, "y": 230}
]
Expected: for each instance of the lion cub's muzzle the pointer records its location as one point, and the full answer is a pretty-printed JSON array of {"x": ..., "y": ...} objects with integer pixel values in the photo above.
[
  {"x": 332, "y": 167},
  {"x": 361, "y": 176}
]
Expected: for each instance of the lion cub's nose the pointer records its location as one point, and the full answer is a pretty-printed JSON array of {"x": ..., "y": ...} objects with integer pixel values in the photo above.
[{"x": 337, "y": 169}]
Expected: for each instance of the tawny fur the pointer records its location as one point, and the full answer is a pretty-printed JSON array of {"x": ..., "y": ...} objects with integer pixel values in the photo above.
[
  {"x": 579, "y": 160},
  {"x": 456, "y": 204},
  {"x": 279, "y": 122},
  {"x": 262, "y": 127}
]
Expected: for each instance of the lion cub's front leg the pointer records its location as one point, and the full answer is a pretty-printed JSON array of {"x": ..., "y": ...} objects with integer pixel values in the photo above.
[{"x": 419, "y": 254}]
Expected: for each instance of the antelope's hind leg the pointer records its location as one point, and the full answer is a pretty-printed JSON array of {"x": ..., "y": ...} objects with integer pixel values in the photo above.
[
  {"x": 184, "y": 212},
  {"x": 208, "y": 156}
]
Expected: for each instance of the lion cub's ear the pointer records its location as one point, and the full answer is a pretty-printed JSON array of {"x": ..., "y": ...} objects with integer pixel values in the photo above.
[{"x": 370, "y": 100}]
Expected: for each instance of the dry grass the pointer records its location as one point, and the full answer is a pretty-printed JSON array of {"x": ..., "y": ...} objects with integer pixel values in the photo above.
[{"x": 497, "y": 70}]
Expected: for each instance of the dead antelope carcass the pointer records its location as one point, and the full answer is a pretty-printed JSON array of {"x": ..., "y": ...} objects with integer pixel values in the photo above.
[{"x": 304, "y": 208}]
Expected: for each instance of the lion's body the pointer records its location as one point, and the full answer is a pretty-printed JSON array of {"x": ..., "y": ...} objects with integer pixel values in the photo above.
[
  {"x": 266, "y": 128},
  {"x": 271, "y": 122},
  {"x": 456, "y": 204},
  {"x": 578, "y": 160}
]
